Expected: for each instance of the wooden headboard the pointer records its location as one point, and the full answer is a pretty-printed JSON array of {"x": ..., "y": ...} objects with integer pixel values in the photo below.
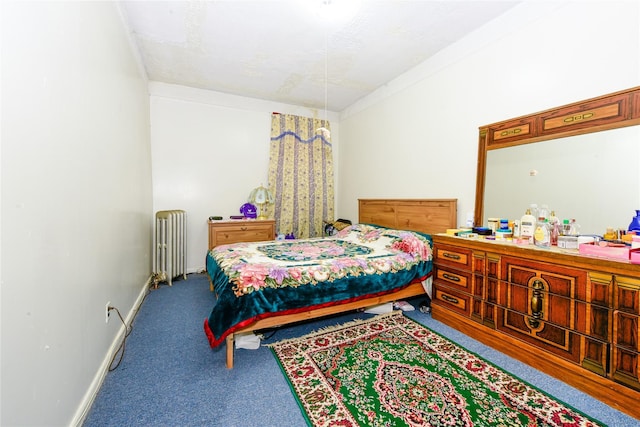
[{"x": 429, "y": 216}]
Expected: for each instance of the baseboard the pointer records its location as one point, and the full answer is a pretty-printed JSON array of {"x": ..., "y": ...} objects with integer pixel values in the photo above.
[{"x": 98, "y": 379}]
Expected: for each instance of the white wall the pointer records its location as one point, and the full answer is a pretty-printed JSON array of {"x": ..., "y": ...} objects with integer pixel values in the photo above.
[
  {"x": 209, "y": 151},
  {"x": 536, "y": 56},
  {"x": 76, "y": 202}
]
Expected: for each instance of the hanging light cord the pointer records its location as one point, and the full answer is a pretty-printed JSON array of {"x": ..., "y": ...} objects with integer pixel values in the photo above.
[{"x": 326, "y": 74}]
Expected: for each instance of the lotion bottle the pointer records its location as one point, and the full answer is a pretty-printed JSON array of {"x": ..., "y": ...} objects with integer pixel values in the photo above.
[{"x": 527, "y": 226}]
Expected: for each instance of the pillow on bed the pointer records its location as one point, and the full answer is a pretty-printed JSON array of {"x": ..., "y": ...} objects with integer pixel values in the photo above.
[{"x": 332, "y": 228}]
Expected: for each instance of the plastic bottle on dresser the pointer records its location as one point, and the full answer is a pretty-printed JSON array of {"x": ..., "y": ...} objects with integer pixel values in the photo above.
[
  {"x": 527, "y": 226},
  {"x": 516, "y": 228},
  {"x": 554, "y": 224},
  {"x": 470, "y": 221},
  {"x": 555, "y": 233},
  {"x": 542, "y": 235},
  {"x": 574, "y": 228},
  {"x": 543, "y": 212}
]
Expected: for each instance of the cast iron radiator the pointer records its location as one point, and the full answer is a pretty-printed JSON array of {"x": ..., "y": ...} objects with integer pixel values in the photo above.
[{"x": 170, "y": 244}]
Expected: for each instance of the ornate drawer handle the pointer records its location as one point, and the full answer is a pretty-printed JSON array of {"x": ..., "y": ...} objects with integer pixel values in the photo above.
[
  {"x": 513, "y": 131},
  {"x": 578, "y": 117},
  {"x": 447, "y": 298},
  {"x": 243, "y": 228},
  {"x": 451, "y": 277},
  {"x": 451, "y": 256},
  {"x": 536, "y": 304}
]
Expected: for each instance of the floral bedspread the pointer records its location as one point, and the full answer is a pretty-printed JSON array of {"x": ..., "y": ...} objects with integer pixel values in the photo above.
[{"x": 256, "y": 280}]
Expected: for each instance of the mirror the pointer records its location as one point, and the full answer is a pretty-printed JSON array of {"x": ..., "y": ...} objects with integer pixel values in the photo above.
[{"x": 590, "y": 174}]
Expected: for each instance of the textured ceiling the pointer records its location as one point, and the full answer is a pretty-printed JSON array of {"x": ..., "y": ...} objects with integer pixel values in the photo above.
[{"x": 310, "y": 53}]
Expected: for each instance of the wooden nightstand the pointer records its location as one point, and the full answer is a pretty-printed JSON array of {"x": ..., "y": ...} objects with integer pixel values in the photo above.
[{"x": 224, "y": 232}]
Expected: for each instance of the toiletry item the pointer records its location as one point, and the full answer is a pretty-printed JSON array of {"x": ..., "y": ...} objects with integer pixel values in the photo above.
[
  {"x": 574, "y": 228},
  {"x": 516, "y": 228},
  {"x": 503, "y": 234},
  {"x": 554, "y": 228},
  {"x": 527, "y": 226},
  {"x": 493, "y": 224},
  {"x": 482, "y": 231},
  {"x": 533, "y": 210},
  {"x": 542, "y": 235},
  {"x": 610, "y": 234},
  {"x": 568, "y": 242},
  {"x": 635, "y": 222},
  {"x": 469, "y": 223},
  {"x": 586, "y": 240},
  {"x": 566, "y": 228},
  {"x": 555, "y": 233},
  {"x": 469, "y": 235},
  {"x": 543, "y": 212}
]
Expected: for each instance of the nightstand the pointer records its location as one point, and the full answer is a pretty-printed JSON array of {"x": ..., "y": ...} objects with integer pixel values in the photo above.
[{"x": 224, "y": 232}]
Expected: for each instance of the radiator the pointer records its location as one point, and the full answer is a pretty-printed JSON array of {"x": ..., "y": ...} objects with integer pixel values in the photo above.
[{"x": 170, "y": 244}]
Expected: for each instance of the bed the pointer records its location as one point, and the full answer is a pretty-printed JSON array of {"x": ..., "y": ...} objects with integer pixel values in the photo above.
[{"x": 384, "y": 257}]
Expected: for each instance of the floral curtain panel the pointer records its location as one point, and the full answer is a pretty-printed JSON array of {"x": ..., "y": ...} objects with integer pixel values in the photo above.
[{"x": 301, "y": 174}]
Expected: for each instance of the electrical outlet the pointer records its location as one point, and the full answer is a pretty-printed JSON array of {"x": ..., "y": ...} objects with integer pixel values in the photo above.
[{"x": 106, "y": 311}]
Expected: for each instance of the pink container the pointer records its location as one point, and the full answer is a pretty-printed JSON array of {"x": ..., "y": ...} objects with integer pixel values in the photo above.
[{"x": 611, "y": 252}]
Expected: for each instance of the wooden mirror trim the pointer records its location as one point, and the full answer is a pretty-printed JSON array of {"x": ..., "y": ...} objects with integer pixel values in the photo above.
[{"x": 611, "y": 111}]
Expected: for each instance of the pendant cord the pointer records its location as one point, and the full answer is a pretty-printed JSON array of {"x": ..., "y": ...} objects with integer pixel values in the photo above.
[{"x": 326, "y": 74}]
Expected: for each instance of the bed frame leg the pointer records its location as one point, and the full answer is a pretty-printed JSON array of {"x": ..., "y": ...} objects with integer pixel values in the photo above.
[{"x": 230, "y": 351}]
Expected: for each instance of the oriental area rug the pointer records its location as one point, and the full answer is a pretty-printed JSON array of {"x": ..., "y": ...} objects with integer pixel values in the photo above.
[{"x": 391, "y": 371}]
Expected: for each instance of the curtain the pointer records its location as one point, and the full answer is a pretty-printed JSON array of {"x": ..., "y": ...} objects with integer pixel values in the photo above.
[{"x": 301, "y": 174}]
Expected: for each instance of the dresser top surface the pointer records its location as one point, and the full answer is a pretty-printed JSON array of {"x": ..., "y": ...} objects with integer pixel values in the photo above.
[
  {"x": 551, "y": 254},
  {"x": 241, "y": 221}
]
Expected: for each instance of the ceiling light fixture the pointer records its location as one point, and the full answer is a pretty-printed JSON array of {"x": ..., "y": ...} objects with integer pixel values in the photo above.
[{"x": 337, "y": 11}]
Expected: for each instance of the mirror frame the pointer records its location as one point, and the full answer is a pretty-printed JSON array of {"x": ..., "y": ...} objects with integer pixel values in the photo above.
[{"x": 611, "y": 111}]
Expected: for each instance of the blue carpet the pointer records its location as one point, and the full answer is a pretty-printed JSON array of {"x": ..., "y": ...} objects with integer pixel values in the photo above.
[{"x": 169, "y": 375}]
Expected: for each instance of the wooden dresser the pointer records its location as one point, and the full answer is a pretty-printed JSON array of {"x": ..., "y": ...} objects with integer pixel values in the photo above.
[
  {"x": 243, "y": 230},
  {"x": 574, "y": 317}
]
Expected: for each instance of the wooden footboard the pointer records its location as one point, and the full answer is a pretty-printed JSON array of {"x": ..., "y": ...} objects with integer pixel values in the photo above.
[{"x": 412, "y": 290}]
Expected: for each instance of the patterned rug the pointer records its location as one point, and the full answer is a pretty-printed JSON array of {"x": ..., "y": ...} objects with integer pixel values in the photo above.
[{"x": 391, "y": 371}]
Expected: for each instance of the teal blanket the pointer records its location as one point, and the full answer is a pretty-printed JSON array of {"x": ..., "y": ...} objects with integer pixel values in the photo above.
[{"x": 257, "y": 280}]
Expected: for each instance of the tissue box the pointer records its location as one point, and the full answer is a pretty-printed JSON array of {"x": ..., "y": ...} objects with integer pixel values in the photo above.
[
  {"x": 611, "y": 252},
  {"x": 634, "y": 256},
  {"x": 248, "y": 341},
  {"x": 380, "y": 309},
  {"x": 568, "y": 242}
]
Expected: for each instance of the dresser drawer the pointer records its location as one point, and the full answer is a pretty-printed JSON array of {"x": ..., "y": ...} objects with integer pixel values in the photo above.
[
  {"x": 453, "y": 300},
  {"x": 454, "y": 278},
  {"x": 227, "y": 236},
  {"x": 224, "y": 233},
  {"x": 453, "y": 256},
  {"x": 626, "y": 366}
]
